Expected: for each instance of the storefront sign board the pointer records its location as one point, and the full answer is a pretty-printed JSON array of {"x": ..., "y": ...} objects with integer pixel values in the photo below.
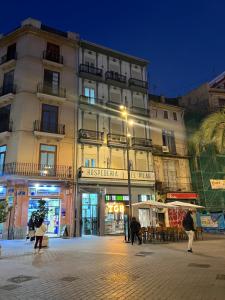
[
  {"x": 182, "y": 196},
  {"x": 217, "y": 184}
]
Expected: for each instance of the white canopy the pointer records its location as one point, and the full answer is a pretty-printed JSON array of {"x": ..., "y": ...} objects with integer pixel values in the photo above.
[
  {"x": 185, "y": 205},
  {"x": 148, "y": 204}
]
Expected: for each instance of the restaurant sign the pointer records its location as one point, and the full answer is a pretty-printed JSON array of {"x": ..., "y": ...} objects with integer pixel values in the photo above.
[
  {"x": 116, "y": 174},
  {"x": 182, "y": 196},
  {"x": 217, "y": 184}
]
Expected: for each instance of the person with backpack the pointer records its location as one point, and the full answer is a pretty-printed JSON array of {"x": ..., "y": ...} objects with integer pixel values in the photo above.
[
  {"x": 135, "y": 227},
  {"x": 188, "y": 225},
  {"x": 40, "y": 231}
]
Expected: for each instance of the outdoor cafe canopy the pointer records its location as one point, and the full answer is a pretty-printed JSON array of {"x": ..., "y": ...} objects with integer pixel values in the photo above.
[
  {"x": 148, "y": 204},
  {"x": 185, "y": 205}
]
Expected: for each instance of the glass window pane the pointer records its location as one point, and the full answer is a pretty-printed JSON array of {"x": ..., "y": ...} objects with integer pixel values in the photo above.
[{"x": 48, "y": 148}]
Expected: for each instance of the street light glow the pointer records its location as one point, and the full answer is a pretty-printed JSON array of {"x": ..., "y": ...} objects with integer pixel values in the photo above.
[
  {"x": 131, "y": 122},
  {"x": 122, "y": 107}
]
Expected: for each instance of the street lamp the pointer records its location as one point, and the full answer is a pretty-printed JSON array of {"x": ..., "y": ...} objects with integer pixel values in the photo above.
[{"x": 128, "y": 135}]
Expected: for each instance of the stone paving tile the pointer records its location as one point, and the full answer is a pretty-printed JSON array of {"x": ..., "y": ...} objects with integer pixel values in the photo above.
[{"x": 107, "y": 268}]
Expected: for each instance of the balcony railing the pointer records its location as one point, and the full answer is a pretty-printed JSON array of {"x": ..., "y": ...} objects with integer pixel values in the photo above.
[
  {"x": 91, "y": 135},
  {"x": 49, "y": 127},
  {"x": 111, "y": 75},
  {"x": 91, "y": 100},
  {"x": 53, "y": 56},
  {"x": 175, "y": 186},
  {"x": 116, "y": 139},
  {"x": 140, "y": 111},
  {"x": 141, "y": 142},
  {"x": 48, "y": 89},
  {"x": 165, "y": 150},
  {"x": 36, "y": 170},
  {"x": 8, "y": 57},
  {"x": 138, "y": 83},
  {"x": 7, "y": 89},
  {"x": 90, "y": 70},
  {"x": 6, "y": 127}
]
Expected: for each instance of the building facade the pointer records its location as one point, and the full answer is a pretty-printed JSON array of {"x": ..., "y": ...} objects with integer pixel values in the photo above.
[
  {"x": 109, "y": 80},
  {"x": 37, "y": 125},
  {"x": 169, "y": 149}
]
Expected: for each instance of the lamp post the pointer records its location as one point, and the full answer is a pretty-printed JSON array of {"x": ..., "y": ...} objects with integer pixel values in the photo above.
[{"x": 128, "y": 136}]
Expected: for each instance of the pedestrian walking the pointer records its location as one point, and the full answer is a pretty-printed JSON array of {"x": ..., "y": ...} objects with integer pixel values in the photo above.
[
  {"x": 135, "y": 227},
  {"x": 188, "y": 225},
  {"x": 40, "y": 231}
]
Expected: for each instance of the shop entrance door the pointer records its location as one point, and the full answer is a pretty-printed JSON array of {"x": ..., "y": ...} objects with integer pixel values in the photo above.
[
  {"x": 90, "y": 220},
  {"x": 52, "y": 220}
]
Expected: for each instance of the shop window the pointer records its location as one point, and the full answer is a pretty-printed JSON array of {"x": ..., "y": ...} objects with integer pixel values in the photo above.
[{"x": 142, "y": 198}]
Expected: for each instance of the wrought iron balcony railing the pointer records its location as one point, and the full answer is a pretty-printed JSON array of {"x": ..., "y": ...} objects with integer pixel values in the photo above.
[
  {"x": 53, "y": 56},
  {"x": 140, "y": 111},
  {"x": 46, "y": 88},
  {"x": 36, "y": 170},
  {"x": 141, "y": 142},
  {"x": 50, "y": 127},
  {"x": 166, "y": 150},
  {"x": 111, "y": 75},
  {"x": 7, "y": 89},
  {"x": 92, "y": 135},
  {"x": 138, "y": 83},
  {"x": 181, "y": 185},
  {"x": 8, "y": 57},
  {"x": 6, "y": 127},
  {"x": 91, "y": 100},
  {"x": 83, "y": 68}
]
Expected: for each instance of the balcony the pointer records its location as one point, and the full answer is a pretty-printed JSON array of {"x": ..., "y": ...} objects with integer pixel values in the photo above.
[
  {"x": 8, "y": 61},
  {"x": 37, "y": 170},
  {"x": 5, "y": 130},
  {"x": 91, "y": 137},
  {"x": 115, "y": 78},
  {"x": 140, "y": 111},
  {"x": 138, "y": 85},
  {"x": 182, "y": 185},
  {"x": 166, "y": 151},
  {"x": 116, "y": 140},
  {"x": 7, "y": 93},
  {"x": 47, "y": 92},
  {"x": 53, "y": 58},
  {"x": 52, "y": 130},
  {"x": 90, "y": 72},
  {"x": 141, "y": 143}
]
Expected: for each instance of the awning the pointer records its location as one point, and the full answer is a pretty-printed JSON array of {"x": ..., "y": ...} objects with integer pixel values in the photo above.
[
  {"x": 148, "y": 204},
  {"x": 185, "y": 205}
]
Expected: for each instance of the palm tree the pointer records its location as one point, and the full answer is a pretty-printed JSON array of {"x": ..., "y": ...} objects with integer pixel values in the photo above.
[{"x": 211, "y": 132}]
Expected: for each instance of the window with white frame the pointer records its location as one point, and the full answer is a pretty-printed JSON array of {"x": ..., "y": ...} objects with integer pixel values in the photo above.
[{"x": 90, "y": 94}]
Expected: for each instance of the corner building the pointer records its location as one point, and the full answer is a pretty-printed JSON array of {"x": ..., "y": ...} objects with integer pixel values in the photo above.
[
  {"x": 37, "y": 125},
  {"x": 107, "y": 80}
]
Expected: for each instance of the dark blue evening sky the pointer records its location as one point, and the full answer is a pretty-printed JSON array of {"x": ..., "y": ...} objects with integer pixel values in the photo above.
[{"x": 183, "y": 40}]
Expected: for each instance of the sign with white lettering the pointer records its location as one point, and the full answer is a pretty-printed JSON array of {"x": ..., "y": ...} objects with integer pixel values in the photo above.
[{"x": 116, "y": 174}]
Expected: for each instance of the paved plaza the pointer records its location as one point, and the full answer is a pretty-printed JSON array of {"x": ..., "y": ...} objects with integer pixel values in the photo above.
[{"x": 107, "y": 268}]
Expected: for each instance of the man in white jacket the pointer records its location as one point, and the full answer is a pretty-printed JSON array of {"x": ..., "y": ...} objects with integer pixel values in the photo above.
[{"x": 40, "y": 231}]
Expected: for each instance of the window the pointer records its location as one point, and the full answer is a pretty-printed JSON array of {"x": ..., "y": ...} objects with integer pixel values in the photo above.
[
  {"x": 2, "y": 158},
  {"x": 47, "y": 159},
  {"x": 8, "y": 82},
  {"x": 53, "y": 52},
  {"x": 168, "y": 139},
  {"x": 165, "y": 114},
  {"x": 175, "y": 116},
  {"x": 4, "y": 118},
  {"x": 170, "y": 174},
  {"x": 51, "y": 82},
  {"x": 90, "y": 94},
  {"x": 11, "y": 52},
  {"x": 142, "y": 198},
  {"x": 90, "y": 163},
  {"x": 49, "y": 120}
]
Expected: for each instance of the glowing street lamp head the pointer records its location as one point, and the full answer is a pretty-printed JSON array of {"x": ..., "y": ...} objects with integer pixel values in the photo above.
[
  {"x": 128, "y": 135},
  {"x": 122, "y": 107},
  {"x": 131, "y": 122},
  {"x": 124, "y": 113}
]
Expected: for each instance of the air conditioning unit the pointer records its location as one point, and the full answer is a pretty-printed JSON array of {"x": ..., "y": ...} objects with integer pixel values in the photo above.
[
  {"x": 165, "y": 149},
  {"x": 123, "y": 139}
]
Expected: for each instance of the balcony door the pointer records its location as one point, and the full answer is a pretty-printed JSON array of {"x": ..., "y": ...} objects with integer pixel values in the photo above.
[
  {"x": 2, "y": 158},
  {"x": 8, "y": 82},
  {"x": 53, "y": 52},
  {"x": 49, "y": 120},
  {"x": 11, "y": 52},
  {"x": 90, "y": 94},
  {"x": 4, "y": 118},
  {"x": 47, "y": 160},
  {"x": 51, "y": 82}
]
